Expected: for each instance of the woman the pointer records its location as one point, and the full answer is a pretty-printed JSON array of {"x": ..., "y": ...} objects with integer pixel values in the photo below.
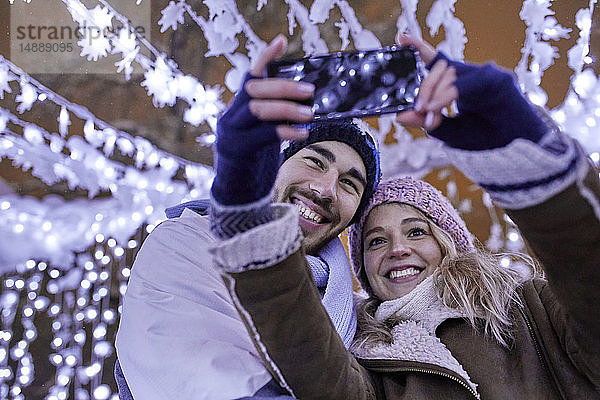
[{"x": 443, "y": 319}]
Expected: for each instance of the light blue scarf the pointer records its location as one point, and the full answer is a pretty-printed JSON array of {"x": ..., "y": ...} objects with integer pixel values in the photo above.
[{"x": 331, "y": 272}]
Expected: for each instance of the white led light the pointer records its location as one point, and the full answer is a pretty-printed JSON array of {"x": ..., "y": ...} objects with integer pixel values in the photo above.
[
  {"x": 108, "y": 316},
  {"x": 40, "y": 303},
  {"x": 63, "y": 380},
  {"x": 91, "y": 313},
  {"x": 57, "y": 359},
  {"x": 100, "y": 331},
  {"x": 79, "y": 337},
  {"x": 102, "y": 392},
  {"x": 46, "y": 226},
  {"x": 93, "y": 369},
  {"x": 70, "y": 360}
]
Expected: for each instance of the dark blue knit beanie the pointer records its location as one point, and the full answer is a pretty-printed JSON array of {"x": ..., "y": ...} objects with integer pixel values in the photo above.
[{"x": 350, "y": 132}]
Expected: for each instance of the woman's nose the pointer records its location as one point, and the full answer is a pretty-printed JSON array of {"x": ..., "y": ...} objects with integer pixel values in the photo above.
[{"x": 400, "y": 249}]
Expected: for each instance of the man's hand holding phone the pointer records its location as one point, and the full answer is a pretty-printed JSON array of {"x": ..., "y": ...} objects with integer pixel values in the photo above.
[
  {"x": 250, "y": 131},
  {"x": 275, "y": 99}
]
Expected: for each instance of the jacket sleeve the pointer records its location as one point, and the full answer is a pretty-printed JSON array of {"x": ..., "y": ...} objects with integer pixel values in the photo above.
[
  {"x": 564, "y": 234},
  {"x": 282, "y": 311}
]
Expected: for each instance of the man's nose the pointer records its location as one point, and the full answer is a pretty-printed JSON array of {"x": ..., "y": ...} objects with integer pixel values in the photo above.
[{"x": 326, "y": 186}]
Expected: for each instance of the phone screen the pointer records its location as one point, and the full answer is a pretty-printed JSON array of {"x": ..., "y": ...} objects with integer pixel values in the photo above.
[{"x": 358, "y": 83}]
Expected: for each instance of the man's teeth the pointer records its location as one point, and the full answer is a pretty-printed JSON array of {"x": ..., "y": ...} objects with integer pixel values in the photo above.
[
  {"x": 405, "y": 272},
  {"x": 308, "y": 214}
]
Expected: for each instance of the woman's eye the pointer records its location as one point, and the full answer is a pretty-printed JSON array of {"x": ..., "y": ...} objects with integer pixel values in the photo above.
[
  {"x": 375, "y": 241},
  {"x": 415, "y": 232}
]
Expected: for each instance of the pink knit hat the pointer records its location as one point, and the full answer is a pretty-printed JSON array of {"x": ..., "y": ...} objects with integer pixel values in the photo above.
[{"x": 420, "y": 195}]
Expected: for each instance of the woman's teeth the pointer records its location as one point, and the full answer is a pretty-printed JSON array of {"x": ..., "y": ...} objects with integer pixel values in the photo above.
[
  {"x": 308, "y": 214},
  {"x": 405, "y": 272}
]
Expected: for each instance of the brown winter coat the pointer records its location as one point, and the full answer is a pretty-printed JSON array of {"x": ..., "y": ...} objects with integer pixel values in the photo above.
[{"x": 556, "y": 353}]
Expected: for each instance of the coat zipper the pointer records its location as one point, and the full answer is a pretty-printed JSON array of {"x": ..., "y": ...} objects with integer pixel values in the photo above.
[
  {"x": 537, "y": 350},
  {"x": 434, "y": 372},
  {"x": 430, "y": 371},
  {"x": 535, "y": 342}
]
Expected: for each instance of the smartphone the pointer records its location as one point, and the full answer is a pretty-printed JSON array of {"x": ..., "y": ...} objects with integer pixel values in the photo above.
[{"x": 357, "y": 83}]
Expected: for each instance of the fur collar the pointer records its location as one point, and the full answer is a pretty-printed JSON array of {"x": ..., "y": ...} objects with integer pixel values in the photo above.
[{"x": 414, "y": 337}]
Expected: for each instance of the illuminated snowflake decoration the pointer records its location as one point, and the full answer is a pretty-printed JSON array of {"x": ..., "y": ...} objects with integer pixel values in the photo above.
[
  {"x": 4, "y": 79},
  {"x": 124, "y": 42},
  {"x": 27, "y": 97},
  {"x": 172, "y": 15},
  {"x": 160, "y": 84}
]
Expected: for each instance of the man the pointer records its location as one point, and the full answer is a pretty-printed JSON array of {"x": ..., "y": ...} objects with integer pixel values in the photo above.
[{"x": 180, "y": 335}]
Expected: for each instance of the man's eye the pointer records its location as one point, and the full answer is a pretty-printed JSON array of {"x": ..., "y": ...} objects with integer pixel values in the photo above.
[
  {"x": 318, "y": 163},
  {"x": 351, "y": 183}
]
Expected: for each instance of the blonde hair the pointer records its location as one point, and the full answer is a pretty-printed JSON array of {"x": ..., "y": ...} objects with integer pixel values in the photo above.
[{"x": 474, "y": 282}]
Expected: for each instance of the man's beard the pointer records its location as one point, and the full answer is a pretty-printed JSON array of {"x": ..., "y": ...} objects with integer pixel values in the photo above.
[{"x": 312, "y": 242}]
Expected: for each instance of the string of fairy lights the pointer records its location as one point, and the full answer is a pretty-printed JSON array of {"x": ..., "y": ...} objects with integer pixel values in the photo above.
[{"x": 65, "y": 264}]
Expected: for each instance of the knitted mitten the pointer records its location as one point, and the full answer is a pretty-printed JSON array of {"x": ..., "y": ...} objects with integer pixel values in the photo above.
[
  {"x": 493, "y": 112},
  {"x": 247, "y": 161},
  {"x": 247, "y": 157}
]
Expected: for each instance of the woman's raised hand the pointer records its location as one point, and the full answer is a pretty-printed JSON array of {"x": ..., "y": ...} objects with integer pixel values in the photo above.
[{"x": 437, "y": 90}]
